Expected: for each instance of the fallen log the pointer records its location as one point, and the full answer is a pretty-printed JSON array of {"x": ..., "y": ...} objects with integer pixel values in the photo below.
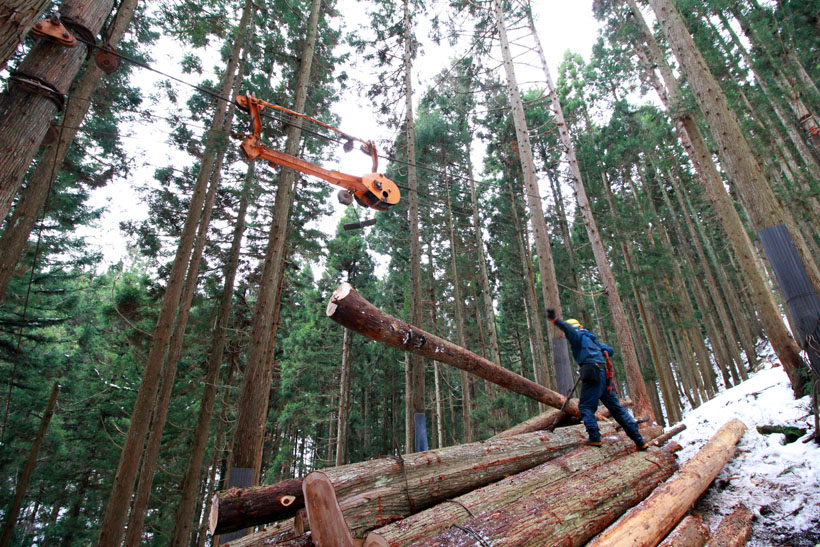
[
  {"x": 734, "y": 529},
  {"x": 457, "y": 511},
  {"x": 275, "y": 534},
  {"x": 376, "y": 492},
  {"x": 661, "y": 440},
  {"x": 649, "y": 522},
  {"x": 329, "y": 527},
  {"x": 353, "y": 312},
  {"x": 566, "y": 514},
  {"x": 691, "y": 532}
]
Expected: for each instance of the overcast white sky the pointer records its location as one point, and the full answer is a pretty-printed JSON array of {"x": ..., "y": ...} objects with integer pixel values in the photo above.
[{"x": 562, "y": 25}]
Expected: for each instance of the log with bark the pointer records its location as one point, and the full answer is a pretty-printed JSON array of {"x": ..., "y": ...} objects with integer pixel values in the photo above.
[
  {"x": 349, "y": 309},
  {"x": 566, "y": 513},
  {"x": 649, "y": 522},
  {"x": 734, "y": 529},
  {"x": 276, "y": 534},
  {"x": 691, "y": 532},
  {"x": 376, "y": 492},
  {"x": 455, "y": 512}
]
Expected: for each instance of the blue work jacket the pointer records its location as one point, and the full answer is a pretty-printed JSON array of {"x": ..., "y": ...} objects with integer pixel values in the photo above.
[{"x": 586, "y": 348}]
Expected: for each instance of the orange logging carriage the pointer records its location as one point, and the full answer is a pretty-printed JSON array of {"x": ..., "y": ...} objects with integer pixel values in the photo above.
[{"x": 370, "y": 190}]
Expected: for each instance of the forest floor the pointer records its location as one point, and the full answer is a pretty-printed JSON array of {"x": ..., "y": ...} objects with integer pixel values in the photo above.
[{"x": 777, "y": 479}]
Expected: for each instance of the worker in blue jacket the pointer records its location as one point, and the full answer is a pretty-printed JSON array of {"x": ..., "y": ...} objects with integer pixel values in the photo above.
[{"x": 588, "y": 352}]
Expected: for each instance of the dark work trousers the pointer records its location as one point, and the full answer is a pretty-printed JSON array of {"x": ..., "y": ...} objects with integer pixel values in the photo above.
[{"x": 591, "y": 393}]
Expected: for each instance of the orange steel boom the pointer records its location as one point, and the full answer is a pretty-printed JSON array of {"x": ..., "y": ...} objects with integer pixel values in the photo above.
[{"x": 371, "y": 190}]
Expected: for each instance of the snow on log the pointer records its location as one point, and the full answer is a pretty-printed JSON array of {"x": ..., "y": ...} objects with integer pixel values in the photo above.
[
  {"x": 649, "y": 522},
  {"x": 376, "y": 492},
  {"x": 455, "y": 512},
  {"x": 566, "y": 513},
  {"x": 349, "y": 309},
  {"x": 691, "y": 532},
  {"x": 734, "y": 529}
]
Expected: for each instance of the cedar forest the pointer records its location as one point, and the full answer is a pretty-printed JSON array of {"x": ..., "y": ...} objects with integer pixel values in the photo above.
[{"x": 628, "y": 190}]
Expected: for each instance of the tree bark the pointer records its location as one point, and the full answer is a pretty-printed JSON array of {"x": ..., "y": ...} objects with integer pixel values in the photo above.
[
  {"x": 415, "y": 376},
  {"x": 546, "y": 264},
  {"x": 566, "y": 510},
  {"x": 691, "y": 532},
  {"x": 650, "y": 521},
  {"x": 24, "y": 115},
  {"x": 253, "y": 400},
  {"x": 376, "y": 492},
  {"x": 350, "y": 310},
  {"x": 35, "y": 194},
  {"x": 25, "y": 475},
  {"x": 17, "y": 16},
  {"x": 734, "y": 529}
]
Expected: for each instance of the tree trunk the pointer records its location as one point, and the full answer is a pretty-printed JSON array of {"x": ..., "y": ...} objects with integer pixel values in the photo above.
[
  {"x": 734, "y": 529},
  {"x": 415, "y": 387},
  {"x": 350, "y": 310},
  {"x": 35, "y": 193},
  {"x": 459, "y": 318},
  {"x": 546, "y": 264},
  {"x": 184, "y": 515},
  {"x": 253, "y": 400},
  {"x": 18, "y": 16},
  {"x": 650, "y": 521},
  {"x": 761, "y": 204},
  {"x": 25, "y": 115},
  {"x": 344, "y": 398},
  {"x": 376, "y": 492},
  {"x": 119, "y": 500},
  {"x": 784, "y": 345},
  {"x": 25, "y": 475},
  {"x": 637, "y": 388},
  {"x": 566, "y": 510},
  {"x": 691, "y": 532}
]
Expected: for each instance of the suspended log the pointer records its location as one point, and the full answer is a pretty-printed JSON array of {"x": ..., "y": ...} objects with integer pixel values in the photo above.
[
  {"x": 376, "y": 492},
  {"x": 691, "y": 532},
  {"x": 649, "y": 522},
  {"x": 459, "y": 510},
  {"x": 350, "y": 310},
  {"x": 566, "y": 513},
  {"x": 734, "y": 529}
]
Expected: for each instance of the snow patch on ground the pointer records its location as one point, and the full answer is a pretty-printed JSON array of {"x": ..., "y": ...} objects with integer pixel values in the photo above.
[{"x": 778, "y": 481}]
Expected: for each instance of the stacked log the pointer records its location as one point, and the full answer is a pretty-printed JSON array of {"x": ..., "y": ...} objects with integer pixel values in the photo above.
[
  {"x": 648, "y": 523},
  {"x": 691, "y": 532},
  {"x": 377, "y": 492},
  {"x": 734, "y": 529},
  {"x": 552, "y": 476}
]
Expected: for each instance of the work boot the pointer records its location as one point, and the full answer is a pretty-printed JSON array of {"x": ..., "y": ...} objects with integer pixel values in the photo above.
[
  {"x": 594, "y": 439},
  {"x": 640, "y": 443}
]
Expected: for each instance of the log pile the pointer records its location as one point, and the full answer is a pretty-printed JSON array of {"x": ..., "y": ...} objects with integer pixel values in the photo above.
[{"x": 536, "y": 488}]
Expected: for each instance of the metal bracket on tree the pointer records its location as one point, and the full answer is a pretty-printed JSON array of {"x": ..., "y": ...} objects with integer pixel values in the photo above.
[
  {"x": 52, "y": 29},
  {"x": 370, "y": 190}
]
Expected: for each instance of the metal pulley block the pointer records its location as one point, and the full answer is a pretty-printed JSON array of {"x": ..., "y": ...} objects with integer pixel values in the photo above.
[
  {"x": 52, "y": 29},
  {"x": 107, "y": 59},
  {"x": 345, "y": 197}
]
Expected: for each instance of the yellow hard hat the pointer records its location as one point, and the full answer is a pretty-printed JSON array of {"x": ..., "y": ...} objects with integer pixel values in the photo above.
[{"x": 575, "y": 323}]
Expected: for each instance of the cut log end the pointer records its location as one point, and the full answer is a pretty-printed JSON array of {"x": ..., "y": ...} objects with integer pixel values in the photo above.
[
  {"x": 287, "y": 500},
  {"x": 339, "y": 294}
]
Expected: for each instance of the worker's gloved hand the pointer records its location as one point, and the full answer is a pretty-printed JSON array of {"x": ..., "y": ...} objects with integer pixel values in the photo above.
[{"x": 550, "y": 314}]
